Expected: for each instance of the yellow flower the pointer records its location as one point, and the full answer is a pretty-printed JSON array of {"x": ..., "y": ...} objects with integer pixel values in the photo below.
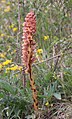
[
  {"x": 15, "y": 29},
  {"x": 2, "y": 55},
  {"x": 11, "y": 26},
  {"x": 39, "y": 51},
  {"x": 7, "y": 69},
  {"x": 47, "y": 103},
  {"x": 20, "y": 68},
  {"x": 7, "y": 9},
  {"x": 7, "y": 62},
  {"x": 46, "y": 38},
  {"x": 14, "y": 68},
  {"x": 2, "y": 35}
]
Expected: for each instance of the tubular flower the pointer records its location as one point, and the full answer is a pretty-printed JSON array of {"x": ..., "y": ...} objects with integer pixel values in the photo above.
[{"x": 28, "y": 49}]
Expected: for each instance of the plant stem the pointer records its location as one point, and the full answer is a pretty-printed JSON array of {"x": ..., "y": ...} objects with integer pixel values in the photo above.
[{"x": 33, "y": 88}]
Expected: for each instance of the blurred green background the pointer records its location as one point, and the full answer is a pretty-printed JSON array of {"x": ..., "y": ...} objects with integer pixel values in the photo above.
[{"x": 52, "y": 70}]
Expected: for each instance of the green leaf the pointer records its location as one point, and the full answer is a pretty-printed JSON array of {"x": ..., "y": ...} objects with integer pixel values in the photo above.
[
  {"x": 57, "y": 95},
  {"x": 42, "y": 96},
  {"x": 7, "y": 87},
  {"x": 1, "y": 95}
]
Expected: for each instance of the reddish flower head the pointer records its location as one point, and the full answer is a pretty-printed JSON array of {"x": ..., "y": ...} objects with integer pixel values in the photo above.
[{"x": 28, "y": 45}]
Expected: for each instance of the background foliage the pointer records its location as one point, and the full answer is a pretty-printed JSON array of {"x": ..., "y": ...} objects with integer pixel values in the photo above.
[{"x": 53, "y": 69}]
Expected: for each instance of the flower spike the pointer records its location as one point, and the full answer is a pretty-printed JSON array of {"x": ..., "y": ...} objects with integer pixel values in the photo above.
[{"x": 28, "y": 49}]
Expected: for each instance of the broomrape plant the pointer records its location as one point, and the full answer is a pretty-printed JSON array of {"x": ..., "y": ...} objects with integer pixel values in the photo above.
[{"x": 28, "y": 49}]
